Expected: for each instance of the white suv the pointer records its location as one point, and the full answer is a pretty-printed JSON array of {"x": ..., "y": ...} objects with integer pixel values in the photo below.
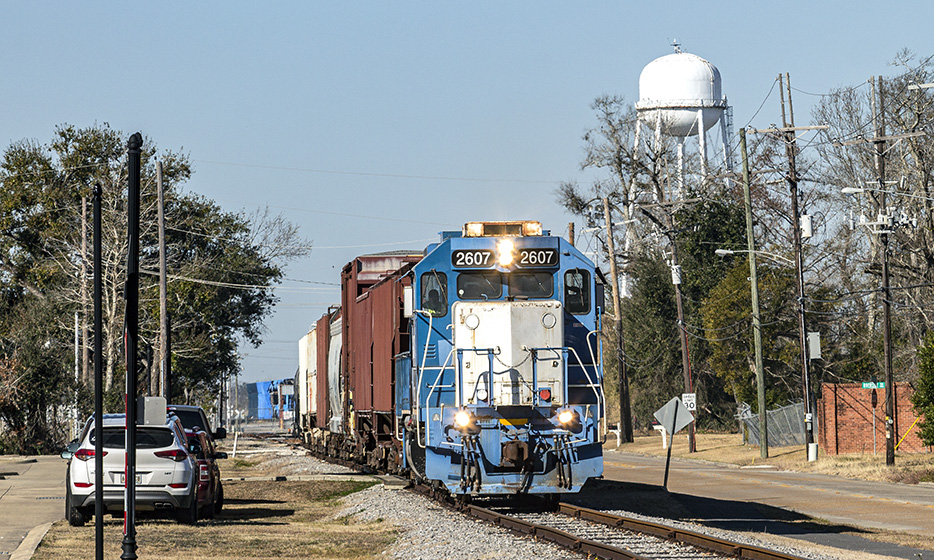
[{"x": 166, "y": 473}]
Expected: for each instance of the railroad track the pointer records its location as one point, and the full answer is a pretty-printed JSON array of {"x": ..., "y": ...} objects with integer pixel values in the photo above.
[
  {"x": 602, "y": 535},
  {"x": 593, "y": 533}
]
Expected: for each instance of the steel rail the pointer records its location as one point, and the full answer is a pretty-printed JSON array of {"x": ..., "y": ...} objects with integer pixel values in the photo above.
[{"x": 685, "y": 536}]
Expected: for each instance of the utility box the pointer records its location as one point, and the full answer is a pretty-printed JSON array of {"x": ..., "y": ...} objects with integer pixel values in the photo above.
[
  {"x": 150, "y": 411},
  {"x": 807, "y": 227},
  {"x": 814, "y": 345}
]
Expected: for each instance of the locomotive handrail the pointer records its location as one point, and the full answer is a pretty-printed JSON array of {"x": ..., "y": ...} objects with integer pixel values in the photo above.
[
  {"x": 418, "y": 394},
  {"x": 601, "y": 395},
  {"x": 421, "y": 372},
  {"x": 593, "y": 360}
]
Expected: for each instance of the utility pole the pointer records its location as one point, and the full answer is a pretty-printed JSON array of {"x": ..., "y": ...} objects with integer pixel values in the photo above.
[
  {"x": 685, "y": 354},
  {"x": 571, "y": 233},
  {"x": 756, "y": 321},
  {"x": 165, "y": 350},
  {"x": 788, "y": 127},
  {"x": 625, "y": 411},
  {"x": 890, "y": 426}
]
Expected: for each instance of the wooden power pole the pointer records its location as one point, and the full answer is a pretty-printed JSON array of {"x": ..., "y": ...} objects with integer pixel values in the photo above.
[{"x": 625, "y": 410}]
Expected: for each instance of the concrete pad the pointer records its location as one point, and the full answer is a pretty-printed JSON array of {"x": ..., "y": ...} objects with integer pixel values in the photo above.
[{"x": 35, "y": 496}]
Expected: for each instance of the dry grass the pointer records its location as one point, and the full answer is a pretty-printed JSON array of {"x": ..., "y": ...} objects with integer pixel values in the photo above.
[
  {"x": 260, "y": 520},
  {"x": 728, "y": 448}
]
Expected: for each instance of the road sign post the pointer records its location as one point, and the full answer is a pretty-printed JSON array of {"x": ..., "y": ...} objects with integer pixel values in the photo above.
[{"x": 674, "y": 416}]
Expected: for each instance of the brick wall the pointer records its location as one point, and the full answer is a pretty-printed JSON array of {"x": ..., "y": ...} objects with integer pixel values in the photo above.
[{"x": 845, "y": 420}]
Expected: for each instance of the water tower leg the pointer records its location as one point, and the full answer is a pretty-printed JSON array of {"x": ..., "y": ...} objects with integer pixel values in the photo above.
[
  {"x": 702, "y": 141},
  {"x": 636, "y": 152},
  {"x": 681, "y": 167},
  {"x": 727, "y": 155}
]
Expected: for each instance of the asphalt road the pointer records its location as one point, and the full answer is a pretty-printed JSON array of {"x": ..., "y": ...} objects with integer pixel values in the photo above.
[
  {"x": 32, "y": 497},
  {"x": 767, "y": 500}
]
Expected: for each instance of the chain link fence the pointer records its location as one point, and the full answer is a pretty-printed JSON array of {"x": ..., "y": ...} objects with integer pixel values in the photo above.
[{"x": 785, "y": 425}]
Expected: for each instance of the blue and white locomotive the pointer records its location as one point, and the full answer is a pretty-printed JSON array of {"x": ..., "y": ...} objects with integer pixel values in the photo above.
[{"x": 498, "y": 381}]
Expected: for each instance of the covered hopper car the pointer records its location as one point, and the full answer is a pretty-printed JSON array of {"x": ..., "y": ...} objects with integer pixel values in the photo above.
[{"x": 474, "y": 365}]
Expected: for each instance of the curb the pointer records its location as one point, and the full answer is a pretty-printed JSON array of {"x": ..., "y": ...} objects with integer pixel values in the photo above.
[{"x": 26, "y": 548}]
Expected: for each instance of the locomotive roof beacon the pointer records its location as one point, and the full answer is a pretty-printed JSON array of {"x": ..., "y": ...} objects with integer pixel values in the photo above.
[
  {"x": 502, "y": 229},
  {"x": 473, "y": 365}
]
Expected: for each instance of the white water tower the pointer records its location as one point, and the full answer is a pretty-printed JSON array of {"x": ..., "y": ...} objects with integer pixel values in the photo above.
[{"x": 680, "y": 96}]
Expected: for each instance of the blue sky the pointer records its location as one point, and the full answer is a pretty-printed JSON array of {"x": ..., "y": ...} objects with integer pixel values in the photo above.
[{"x": 375, "y": 125}]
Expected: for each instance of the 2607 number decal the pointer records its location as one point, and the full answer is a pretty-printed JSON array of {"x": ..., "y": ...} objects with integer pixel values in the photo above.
[
  {"x": 529, "y": 258},
  {"x": 478, "y": 258}
]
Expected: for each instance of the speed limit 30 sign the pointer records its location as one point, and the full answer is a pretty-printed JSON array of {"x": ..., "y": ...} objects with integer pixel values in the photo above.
[{"x": 689, "y": 400}]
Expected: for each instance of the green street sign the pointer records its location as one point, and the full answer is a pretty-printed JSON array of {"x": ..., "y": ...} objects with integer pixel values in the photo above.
[{"x": 873, "y": 385}]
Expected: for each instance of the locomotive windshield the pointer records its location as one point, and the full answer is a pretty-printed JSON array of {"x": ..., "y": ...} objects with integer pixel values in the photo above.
[
  {"x": 577, "y": 291},
  {"x": 435, "y": 293},
  {"x": 480, "y": 285},
  {"x": 539, "y": 284}
]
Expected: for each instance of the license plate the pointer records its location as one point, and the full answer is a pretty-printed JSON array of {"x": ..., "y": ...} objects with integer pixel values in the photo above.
[{"x": 139, "y": 479}]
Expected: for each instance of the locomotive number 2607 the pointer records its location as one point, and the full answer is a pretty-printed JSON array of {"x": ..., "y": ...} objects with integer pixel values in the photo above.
[
  {"x": 479, "y": 258},
  {"x": 538, "y": 257}
]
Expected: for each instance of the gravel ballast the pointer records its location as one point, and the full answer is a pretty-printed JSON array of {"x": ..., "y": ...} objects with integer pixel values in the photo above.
[{"x": 429, "y": 531}]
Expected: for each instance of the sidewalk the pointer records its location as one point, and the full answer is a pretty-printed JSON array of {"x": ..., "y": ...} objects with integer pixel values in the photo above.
[{"x": 32, "y": 497}]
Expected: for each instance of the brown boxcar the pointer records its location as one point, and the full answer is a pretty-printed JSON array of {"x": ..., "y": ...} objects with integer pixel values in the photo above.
[
  {"x": 323, "y": 340},
  {"x": 371, "y": 293}
]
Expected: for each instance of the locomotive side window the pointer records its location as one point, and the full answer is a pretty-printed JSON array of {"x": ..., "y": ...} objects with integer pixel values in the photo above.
[
  {"x": 435, "y": 293},
  {"x": 538, "y": 284},
  {"x": 577, "y": 291},
  {"x": 479, "y": 285}
]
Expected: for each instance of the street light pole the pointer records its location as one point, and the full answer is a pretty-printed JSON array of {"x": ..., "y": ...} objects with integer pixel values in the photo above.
[
  {"x": 756, "y": 321},
  {"x": 131, "y": 295}
]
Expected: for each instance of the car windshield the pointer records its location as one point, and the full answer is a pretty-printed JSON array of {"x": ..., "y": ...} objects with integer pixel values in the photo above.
[
  {"x": 146, "y": 438},
  {"x": 190, "y": 419}
]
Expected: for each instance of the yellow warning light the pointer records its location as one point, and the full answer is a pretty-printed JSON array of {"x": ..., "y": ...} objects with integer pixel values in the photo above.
[{"x": 503, "y": 229}]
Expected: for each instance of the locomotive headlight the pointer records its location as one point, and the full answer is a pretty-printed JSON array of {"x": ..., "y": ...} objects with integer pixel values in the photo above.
[
  {"x": 462, "y": 419},
  {"x": 506, "y": 252},
  {"x": 472, "y": 321},
  {"x": 570, "y": 420}
]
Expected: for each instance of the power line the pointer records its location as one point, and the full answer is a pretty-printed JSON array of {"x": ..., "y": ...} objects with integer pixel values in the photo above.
[{"x": 382, "y": 175}]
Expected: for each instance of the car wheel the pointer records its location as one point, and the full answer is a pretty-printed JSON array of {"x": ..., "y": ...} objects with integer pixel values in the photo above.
[
  {"x": 76, "y": 516},
  {"x": 189, "y": 515},
  {"x": 219, "y": 501}
]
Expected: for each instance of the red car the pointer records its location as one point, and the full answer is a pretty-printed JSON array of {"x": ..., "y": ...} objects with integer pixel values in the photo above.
[{"x": 210, "y": 490}]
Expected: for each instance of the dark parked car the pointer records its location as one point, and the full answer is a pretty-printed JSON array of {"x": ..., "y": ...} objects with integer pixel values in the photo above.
[
  {"x": 210, "y": 489},
  {"x": 194, "y": 418}
]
